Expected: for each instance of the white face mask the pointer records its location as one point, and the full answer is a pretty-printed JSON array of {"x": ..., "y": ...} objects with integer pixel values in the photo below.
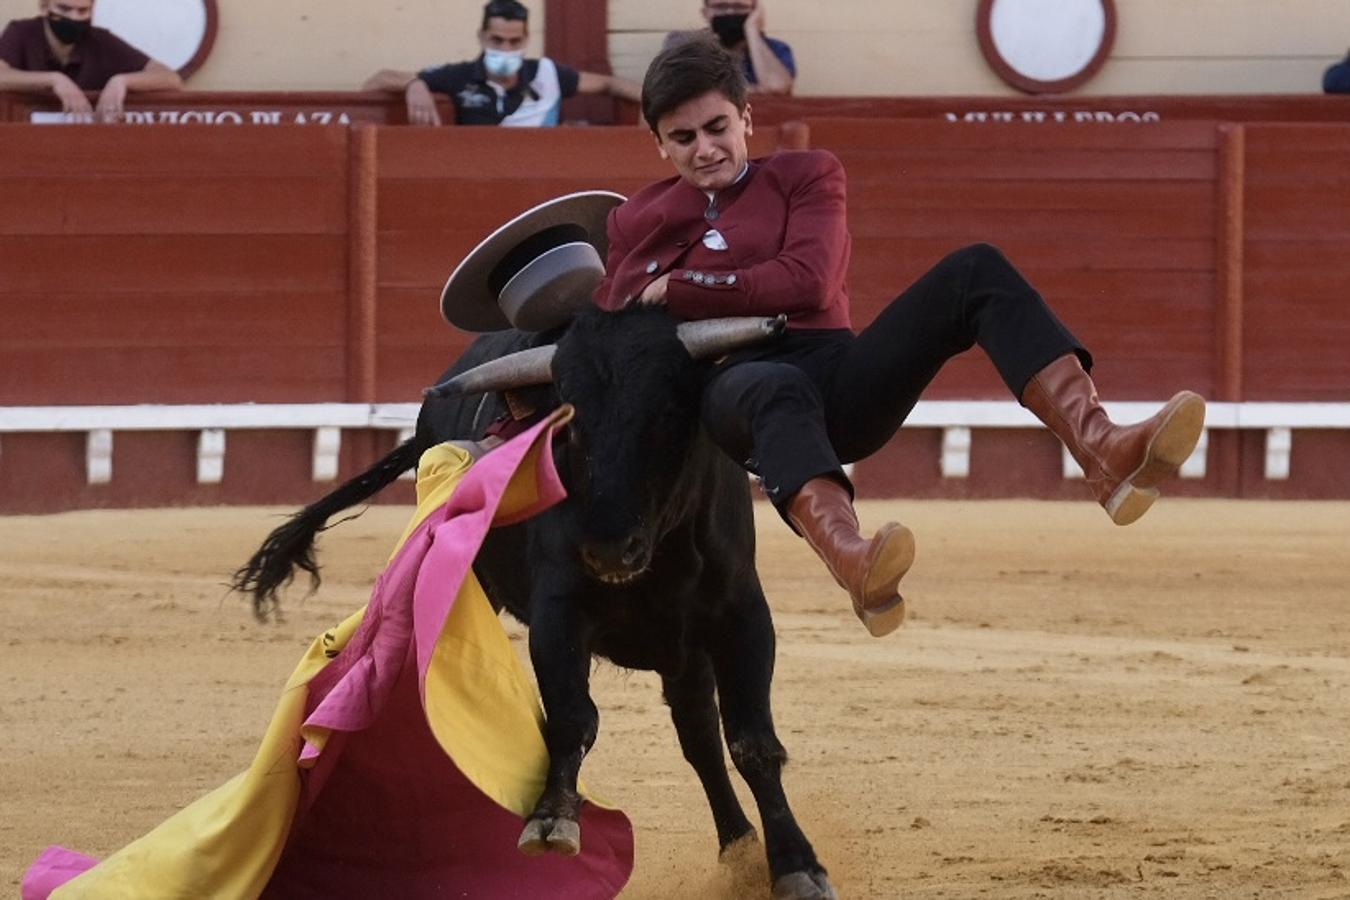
[{"x": 502, "y": 63}]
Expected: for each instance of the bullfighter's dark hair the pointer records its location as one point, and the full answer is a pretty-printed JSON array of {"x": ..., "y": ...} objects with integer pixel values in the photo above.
[
  {"x": 510, "y": 10},
  {"x": 689, "y": 69}
]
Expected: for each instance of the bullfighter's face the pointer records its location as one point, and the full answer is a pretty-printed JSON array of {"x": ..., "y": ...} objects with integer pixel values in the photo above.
[{"x": 705, "y": 139}]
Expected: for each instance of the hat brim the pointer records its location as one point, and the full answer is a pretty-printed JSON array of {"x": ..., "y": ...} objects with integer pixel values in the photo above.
[{"x": 467, "y": 301}]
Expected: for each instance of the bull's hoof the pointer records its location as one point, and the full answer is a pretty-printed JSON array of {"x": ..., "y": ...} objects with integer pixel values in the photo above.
[
  {"x": 542, "y": 836},
  {"x": 804, "y": 886}
]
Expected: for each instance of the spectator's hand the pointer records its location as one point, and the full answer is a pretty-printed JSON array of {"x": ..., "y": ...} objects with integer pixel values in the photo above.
[
  {"x": 755, "y": 20},
  {"x": 421, "y": 104},
  {"x": 72, "y": 98},
  {"x": 654, "y": 294},
  {"x": 113, "y": 99}
]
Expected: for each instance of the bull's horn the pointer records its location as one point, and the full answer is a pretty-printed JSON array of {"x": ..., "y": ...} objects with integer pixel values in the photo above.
[
  {"x": 515, "y": 370},
  {"x": 714, "y": 337},
  {"x": 703, "y": 339}
]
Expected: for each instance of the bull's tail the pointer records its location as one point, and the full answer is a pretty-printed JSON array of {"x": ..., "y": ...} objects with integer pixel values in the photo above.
[{"x": 291, "y": 545}]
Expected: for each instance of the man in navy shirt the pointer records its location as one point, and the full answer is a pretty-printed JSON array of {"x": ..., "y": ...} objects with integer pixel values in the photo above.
[
  {"x": 501, "y": 86},
  {"x": 739, "y": 26},
  {"x": 62, "y": 52}
]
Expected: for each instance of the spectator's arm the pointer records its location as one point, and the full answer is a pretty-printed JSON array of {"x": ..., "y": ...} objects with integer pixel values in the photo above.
[
  {"x": 416, "y": 93},
  {"x": 772, "y": 76},
  {"x": 72, "y": 98},
  {"x": 395, "y": 81},
  {"x": 154, "y": 77},
  {"x": 595, "y": 83}
]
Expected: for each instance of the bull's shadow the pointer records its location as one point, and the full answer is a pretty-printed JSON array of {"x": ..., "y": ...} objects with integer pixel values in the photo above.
[{"x": 649, "y": 562}]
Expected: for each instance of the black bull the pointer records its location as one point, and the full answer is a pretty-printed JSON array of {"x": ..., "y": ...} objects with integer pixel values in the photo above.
[{"x": 649, "y": 563}]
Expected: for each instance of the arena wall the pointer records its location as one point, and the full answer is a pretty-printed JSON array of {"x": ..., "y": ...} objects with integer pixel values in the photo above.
[
  {"x": 285, "y": 265},
  {"x": 845, "y": 48},
  {"x": 865, "y": 47}
]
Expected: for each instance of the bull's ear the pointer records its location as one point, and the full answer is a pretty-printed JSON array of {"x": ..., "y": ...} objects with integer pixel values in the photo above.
[{"x": 515, "y": 370}]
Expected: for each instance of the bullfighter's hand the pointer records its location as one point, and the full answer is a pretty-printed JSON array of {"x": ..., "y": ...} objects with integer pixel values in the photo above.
[
  {"x": 654, "y": 294},
  {"x": 113, "y": 99},
  {"x": 421, "y": 104},
  {"x": 72, "y": 98}
]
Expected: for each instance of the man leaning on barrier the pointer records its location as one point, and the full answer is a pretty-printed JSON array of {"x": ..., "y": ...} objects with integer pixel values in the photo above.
[
  {"x": 61, "y": 51},
  {"x": 501, "y": 86}
]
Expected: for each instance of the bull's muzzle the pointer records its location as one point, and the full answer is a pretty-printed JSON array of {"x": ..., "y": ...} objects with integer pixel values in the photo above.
[{"x": 617, "y": 562}]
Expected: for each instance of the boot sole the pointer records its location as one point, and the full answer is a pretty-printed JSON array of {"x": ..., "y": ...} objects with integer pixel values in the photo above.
[
  {"x": 1165, "y": 454},
  {"x": 894, "y": 557}
]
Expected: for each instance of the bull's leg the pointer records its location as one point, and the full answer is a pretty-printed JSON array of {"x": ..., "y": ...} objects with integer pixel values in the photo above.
[
  {"x": 561, "y": 658},
  {"x": 743, "y": 659},
  {"x": 694, "y": 713}
]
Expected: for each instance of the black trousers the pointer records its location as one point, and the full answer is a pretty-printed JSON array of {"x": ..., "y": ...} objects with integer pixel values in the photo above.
[{"x": 799, "y": 407}]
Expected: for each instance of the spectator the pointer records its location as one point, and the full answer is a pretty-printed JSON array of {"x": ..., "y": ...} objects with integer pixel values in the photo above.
[
  {"x": 1336, "y": 80},
  {"x": 501, "y": 86},
  {"x": 61, "y": 51},
  {"x": 739, "y": 25}
]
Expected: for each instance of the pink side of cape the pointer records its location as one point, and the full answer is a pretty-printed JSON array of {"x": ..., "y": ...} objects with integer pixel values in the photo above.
[{"x": 384, "y": 810}]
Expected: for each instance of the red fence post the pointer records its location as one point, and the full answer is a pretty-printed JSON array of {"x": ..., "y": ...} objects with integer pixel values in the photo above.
[
  {"x": 1231, "y": 233},
  {"x": 361, "y": 264},
  {"x": 1229, "y": 263},
  {"x": 362, "y": 212}
]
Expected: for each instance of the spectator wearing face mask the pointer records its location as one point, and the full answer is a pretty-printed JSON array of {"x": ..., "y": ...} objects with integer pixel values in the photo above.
[
  {"x": 501, "y": 86},
  {"x": 738, "y": 25},
  {"x": 61, "y": 52}
]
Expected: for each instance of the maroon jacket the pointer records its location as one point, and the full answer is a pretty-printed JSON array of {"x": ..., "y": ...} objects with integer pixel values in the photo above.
[{"x": 785, "y": 226}]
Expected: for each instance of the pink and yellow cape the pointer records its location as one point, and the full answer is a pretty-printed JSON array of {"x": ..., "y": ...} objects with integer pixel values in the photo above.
[{"x": 407, "y": 746}]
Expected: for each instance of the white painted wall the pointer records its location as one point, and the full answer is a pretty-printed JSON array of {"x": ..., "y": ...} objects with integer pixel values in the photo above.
[
  {"x": 848, "y": 47},
  {"x": 329, "y": 44},
  {"x": 899, "y": 47}
]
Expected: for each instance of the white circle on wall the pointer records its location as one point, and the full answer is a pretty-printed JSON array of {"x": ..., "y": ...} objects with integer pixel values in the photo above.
[
  {"x": 175, "y": 32},
  {"x": 1042, "y": 46}
]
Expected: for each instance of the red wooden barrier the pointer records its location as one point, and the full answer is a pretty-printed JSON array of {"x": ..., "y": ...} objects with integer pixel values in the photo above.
[
  {"x": 302, "y": 264},
  {"x": 1072, "y": 109}
]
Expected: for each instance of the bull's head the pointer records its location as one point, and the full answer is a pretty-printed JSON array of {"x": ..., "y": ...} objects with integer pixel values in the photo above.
[{"x": 636, "y": 383}]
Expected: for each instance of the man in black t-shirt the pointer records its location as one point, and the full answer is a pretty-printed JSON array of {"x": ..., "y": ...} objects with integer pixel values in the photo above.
[{"x": 501, "y": 86}]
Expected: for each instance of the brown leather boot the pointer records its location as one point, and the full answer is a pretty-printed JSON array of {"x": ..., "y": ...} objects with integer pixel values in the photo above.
[
  {"x": 1124, "y": 464},
  {"x": 869, "y": 570}
]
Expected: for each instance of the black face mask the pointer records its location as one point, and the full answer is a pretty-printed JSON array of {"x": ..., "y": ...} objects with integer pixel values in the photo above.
[
  {"x": 67, "y": 31},
  {"x": 729, "y": 28}
]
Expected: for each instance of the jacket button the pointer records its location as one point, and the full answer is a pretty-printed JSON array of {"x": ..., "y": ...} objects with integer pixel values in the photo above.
[
  {"x": 652, "y": 267},
  {"x": 731, "y": 279}
]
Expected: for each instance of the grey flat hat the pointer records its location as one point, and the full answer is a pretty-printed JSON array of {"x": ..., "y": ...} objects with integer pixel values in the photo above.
[{"x": 535, "y": 271}]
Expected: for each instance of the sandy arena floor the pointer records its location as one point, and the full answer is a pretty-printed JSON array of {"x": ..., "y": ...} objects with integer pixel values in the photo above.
[{"x": 1074, "y": 710}]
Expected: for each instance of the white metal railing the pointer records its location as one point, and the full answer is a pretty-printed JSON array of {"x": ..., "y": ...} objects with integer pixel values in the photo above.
[
  {"x": 211, "y": 422},
  {"x": 956, "y": 418}
]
